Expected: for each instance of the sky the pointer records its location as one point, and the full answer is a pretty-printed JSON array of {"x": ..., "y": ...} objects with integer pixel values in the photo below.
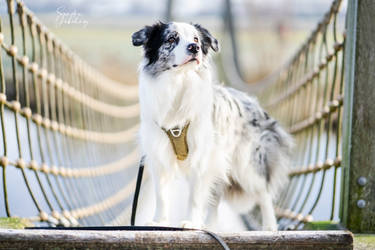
[{"x": 182, "y": 7}]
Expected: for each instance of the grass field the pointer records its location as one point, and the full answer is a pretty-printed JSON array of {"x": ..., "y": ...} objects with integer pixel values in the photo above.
[
  {"x": 108, "y": 47},
  {"x": 111, "y": 51}
]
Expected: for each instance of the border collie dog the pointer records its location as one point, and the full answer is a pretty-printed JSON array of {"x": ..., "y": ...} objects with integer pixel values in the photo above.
[{"x": 230, "y": 149}]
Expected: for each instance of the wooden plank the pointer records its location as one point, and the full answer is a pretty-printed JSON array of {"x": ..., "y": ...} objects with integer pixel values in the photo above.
[
  {"x": 67, "y": 239},
  {"x": 358, "y": 207}
]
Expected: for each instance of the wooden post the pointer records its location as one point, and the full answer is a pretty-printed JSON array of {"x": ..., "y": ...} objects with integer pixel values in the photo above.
[
  {"x": 168, "y": 12},
  {"x": 229, "y": 26},
  {"x": 358, "y": 193}
]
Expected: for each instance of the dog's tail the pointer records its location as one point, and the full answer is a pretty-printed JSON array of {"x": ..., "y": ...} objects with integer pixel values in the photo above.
[{"x": 276, "y": 146}]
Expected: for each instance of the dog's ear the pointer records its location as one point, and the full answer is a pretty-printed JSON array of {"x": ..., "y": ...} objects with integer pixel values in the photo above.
[
  {"x": 208, "y": 41},
  {"x": 140, "y": 37}
]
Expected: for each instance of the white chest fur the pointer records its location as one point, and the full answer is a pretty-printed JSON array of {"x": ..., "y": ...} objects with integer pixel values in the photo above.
[{"x": 174, "y": 99}]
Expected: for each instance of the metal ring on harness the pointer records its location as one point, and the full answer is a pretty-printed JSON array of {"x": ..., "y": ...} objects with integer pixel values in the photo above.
[
  {"x": 178, "y": 139},
  {"x": 176, "y": 132}
]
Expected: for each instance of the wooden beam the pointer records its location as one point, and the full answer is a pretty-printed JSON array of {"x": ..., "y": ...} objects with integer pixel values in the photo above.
[
  {"x": 358, "y": 195},
  {"x": 67, "y": 239}
]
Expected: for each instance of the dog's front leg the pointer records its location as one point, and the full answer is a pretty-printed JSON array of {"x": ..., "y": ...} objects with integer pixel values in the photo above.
[
  {"x": 212, "y": 209},
  {"x": 269, "y": 222},
  {"x": 198, "y": 200},
  {"x": 161, "y": 181}
]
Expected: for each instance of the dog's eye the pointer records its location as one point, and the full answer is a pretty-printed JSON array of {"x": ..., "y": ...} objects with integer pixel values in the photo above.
[
  {"x": 171, "y": 40},
  {"x": 196, "y": 39}
]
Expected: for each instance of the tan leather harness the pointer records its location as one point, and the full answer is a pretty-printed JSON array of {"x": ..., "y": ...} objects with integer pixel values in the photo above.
[{"x": 177, "y": 136}]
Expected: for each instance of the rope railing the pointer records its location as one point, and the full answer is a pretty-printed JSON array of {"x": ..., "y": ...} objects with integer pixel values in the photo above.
[
  {"x": 307, "y": 97},
  {"x": 67, "y": 131},
  {"x": 309, "y": 100}
]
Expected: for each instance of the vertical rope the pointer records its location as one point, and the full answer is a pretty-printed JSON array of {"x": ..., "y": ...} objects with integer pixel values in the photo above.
[
  {"x": 307, "y": 97},
  {"x": 69, "y": 109},
  {"x": 4, "y": 159}
]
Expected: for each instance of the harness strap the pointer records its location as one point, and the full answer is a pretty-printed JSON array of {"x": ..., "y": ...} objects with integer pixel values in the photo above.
[{"x": 177, "y": 136}]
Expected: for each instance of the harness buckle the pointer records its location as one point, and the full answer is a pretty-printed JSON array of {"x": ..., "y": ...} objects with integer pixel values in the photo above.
[{"x": 176, "y": 132}]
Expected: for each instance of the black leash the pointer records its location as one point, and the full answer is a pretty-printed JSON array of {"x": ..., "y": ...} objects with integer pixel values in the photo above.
[
  {"x": 137, "y": 189},
  {"x": 134, "y": 211}
]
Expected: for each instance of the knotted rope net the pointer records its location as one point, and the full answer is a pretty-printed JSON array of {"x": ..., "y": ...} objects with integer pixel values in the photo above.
[
  {"x": 307, "y": 97},
  {"x": 68, "y": 153}
]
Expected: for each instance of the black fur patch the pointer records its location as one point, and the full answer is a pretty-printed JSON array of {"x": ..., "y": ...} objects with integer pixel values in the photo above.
[
  {"x": 262, "y": 167},
  {"x": 155, "y": 40},
  {"x": 207, "y": 40},
  {"x": 270, "y": 133},
  {"x": 152, "y": 38},
  {"x": 254, "y": 122}
]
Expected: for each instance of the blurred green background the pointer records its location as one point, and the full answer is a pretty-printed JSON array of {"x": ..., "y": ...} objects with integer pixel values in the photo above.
[{"x": 268, "y": 31}]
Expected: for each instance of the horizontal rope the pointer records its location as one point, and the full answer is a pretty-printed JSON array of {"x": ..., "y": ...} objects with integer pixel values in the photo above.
[
  {"x": 94, "y": 171},
  {"x": 327, "y": 164},
  {"x": 130, "y": 92},
  {"x": 107, "y": 203},
  {"x": 79, "y": 213},
  {"x": 77, "y": 133},
  {"x": 103, "y": 137},
  {"x": 321, "y": 26},
  {"x": 286, "y": 213},
  {"x": 110, "y": 168},
  {"x": 124, "y": 217},
  {"x": 331, "y": 107},
  {"x": 126, "y": 92},
  {"x": 308, "y": 78},
  {"x": 128, "y": 111}
]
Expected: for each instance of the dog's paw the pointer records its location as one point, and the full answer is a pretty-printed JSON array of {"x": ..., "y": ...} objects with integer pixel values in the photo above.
[
  {"x": 272, "y": 228},
  {"x": 163, "y": 223},
  {"x": 190, "y": 224}
]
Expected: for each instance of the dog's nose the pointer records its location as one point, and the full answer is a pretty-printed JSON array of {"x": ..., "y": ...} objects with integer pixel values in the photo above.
[{"x": 193, "y": 48}]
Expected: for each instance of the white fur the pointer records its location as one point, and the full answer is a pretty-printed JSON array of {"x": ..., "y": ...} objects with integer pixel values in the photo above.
[{"x": 216, "y": 151}]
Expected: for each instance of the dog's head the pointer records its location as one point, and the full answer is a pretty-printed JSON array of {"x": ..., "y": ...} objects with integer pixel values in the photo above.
[{"x": 174, "y": 46}]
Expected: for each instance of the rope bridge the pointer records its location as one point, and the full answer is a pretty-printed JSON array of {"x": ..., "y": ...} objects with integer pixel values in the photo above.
[
  {"x": 67, "y": 131},
  {"x": 307, "y": 97}
]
